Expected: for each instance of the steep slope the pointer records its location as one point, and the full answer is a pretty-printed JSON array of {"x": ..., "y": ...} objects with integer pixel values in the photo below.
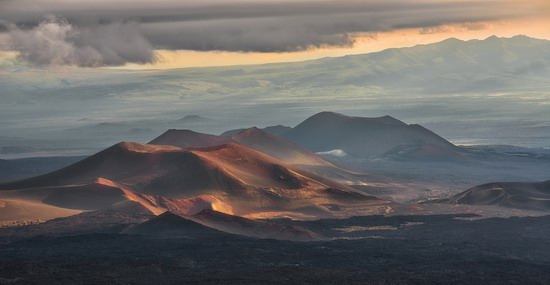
[
  {"x": 284, "y": 150},
  {"x": 276, "y": 147},
  {"x": 156, "y": 170},
  {"x": 359, "y": 136},
  {"x": 253, "y": 138},
  {"x": 520, "y": 195},
  {"x": 277, "y": 181},
  {"x": 229, "y": 178}
]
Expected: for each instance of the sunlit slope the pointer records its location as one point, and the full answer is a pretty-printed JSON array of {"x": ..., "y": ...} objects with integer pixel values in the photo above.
[
  {"x": 253, "y": 138},
  {"x": 227, "y": 178},
  {"x": 279, "y": 148}
]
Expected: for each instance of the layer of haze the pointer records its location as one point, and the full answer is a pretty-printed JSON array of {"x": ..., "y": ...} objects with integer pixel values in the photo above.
[{"x": 491, "y": 91}]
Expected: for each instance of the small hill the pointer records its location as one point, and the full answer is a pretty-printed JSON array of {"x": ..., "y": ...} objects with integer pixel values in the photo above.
[
  {"x": 520, "y": 195},
  {"x": 193, "y": 119},
  {"x": 189, "y": 139},
  {"x": 172, "y": 225},
  {"x": 360, "y": 136},
  {"x": 277, "y": 130},
  {"x": 423, "y": 152},
  {"x": 254, "y": 228}
]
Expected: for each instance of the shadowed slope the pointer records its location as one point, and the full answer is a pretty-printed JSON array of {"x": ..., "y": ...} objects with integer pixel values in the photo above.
[
  {"x": 172, "y": 225},
  {"x": 360, "y": 136},
  {"x": 253, "y": 228},
  {"x": 521, "y": 195},
  {"x": 208, "y": 223},
  {"x": 277, "y": 130},
  {"x": 276, "y": 147},
  {"x": 424, "y": 152},
  {"x": 189, "y": 139}
]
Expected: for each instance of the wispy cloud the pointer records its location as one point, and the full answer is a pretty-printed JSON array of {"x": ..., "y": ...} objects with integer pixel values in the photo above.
[{"x": 475, "y": 26}]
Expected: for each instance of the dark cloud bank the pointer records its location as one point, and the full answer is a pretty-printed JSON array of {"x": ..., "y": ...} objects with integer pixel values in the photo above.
[
  {"x": 55, "y": 41},
  {"x": 103, "y": 33}
]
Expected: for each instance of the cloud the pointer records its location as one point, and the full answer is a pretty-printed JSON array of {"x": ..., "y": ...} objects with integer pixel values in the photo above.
[
  {"x": 268, "y": 35},
  {"x": 475, "y": 26},
  {"x": 56, "y": 42},
  {"x": 114, "y": 32}
]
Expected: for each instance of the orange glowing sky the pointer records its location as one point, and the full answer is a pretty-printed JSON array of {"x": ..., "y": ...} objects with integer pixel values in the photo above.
[
  {"x": 536, "y": 28},
  {"x": 176, "y": 34}
]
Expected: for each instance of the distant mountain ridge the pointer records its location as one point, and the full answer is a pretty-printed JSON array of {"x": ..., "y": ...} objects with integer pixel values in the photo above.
[
  {"x": 359, "y": 136},
  {"x": 451, "y": 65},
  {"x": 391, "y": 80}
]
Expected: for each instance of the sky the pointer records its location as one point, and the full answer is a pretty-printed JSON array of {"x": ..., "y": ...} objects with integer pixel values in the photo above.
[{"x": 173, "y": 34}]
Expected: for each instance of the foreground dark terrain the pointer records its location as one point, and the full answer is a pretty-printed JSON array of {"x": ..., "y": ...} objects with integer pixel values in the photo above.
[{"x": 366, "y": 250}]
